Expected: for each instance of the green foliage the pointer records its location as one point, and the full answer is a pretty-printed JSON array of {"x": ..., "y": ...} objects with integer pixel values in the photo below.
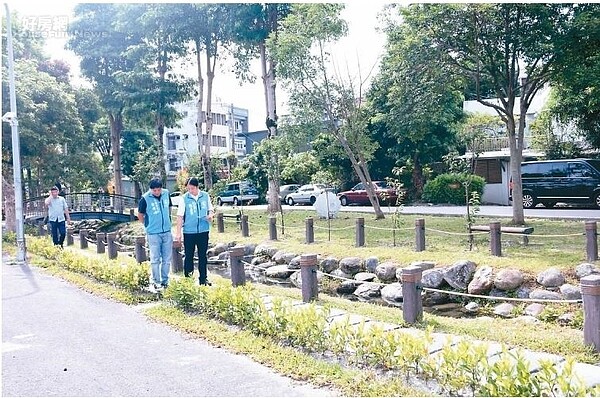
[
  {"x": 124, "y": 273},
  {"x": 9, "y": 237},
  {"x": 449, "y": 188}
]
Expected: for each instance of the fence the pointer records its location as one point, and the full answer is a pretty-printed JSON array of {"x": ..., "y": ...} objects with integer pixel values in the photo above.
[{"x": 494, "y": 231}]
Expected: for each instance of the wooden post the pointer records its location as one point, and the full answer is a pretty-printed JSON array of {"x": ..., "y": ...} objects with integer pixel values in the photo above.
[
  {"x": 132, "y": 216},
  {"x": 308, "y": 273},
  {"x": 590, "y": 292},
  {"x": 420, "y": 234},
  {"x": 70, "y": 236},
  {"x": 360, "y": 232},
  {"x": 220, "y": 223},
  {"x": 272, "y": 228},
  {"x": 176, "y": 258},
  {"x": 310, "y": 230},
  {"x": 238, "y": 274},
  {"x": 495, "y": 239},
  {"x": 591, "y": 236},
  {"x": 100, "y": 242},
  {"x": 140, "y": 249},
  {"x": 111, "y": 237},
  {"x": 83, "y": 243},
  {"x": 245, "y": 231},
  {"x": 412, "y": 306}
]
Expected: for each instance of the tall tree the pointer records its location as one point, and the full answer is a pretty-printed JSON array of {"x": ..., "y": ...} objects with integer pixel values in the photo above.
[
  {"x": 255, "y": 23},
  {"x": 317, "y": 95},
  {"x": 152, "y": 85},
  {"x": 95, "y": 38},
  {"x": 512, "y": 45},
  {"x": 416, "y": 104},
  {"x": 209, "y": 28}
]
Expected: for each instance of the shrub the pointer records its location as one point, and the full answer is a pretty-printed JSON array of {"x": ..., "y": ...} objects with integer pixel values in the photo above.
[{"x": 450, "y": 188}]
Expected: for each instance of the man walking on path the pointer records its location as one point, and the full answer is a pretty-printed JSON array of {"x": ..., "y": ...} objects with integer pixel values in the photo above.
[
  {"x": 154, "y": 210},
  {"x": 194, "y": 215},
  {"x": 58, "y": 214}
]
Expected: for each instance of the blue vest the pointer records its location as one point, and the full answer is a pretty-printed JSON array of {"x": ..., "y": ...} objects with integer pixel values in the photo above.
[
  {"x": 194, "y": 218},
  {"x": 158, "y": 214}
]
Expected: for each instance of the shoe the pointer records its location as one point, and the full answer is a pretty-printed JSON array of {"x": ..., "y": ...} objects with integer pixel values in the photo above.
[
  {"x": 164, "y": 285},
  {"x": 205, "y": 283},
  {"x": 157, "y": 287}
]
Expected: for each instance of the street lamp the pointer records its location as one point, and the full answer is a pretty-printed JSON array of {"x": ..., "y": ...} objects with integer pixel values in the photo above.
[{"x": 11, "y": 118}]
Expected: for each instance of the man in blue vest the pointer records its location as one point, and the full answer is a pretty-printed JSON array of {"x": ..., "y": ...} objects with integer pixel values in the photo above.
[
  {"x": 194, "y": 215},
  {"x": 154, "y": 210}
]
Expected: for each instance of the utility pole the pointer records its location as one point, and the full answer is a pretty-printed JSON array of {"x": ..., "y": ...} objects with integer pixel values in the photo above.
[{"x": 11, "y": 117}]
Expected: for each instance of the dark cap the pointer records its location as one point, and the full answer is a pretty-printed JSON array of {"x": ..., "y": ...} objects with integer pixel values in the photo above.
[
  {"x": 54, "y": 188},
  {"x": 193, "y": 181},
  {"x": 155, "y": 183}
]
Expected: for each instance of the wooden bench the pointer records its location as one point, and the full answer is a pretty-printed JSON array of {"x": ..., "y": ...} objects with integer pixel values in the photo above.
[
  {"x": 524, "y": 231},
  {"x": 237, "y": 216}
]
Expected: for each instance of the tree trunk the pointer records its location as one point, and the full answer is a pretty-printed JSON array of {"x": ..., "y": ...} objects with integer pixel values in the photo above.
[
  {"x": 270, "y": 84},
  {"x": 516, "y": 156},
  {"x": 8, "y": 206},
  {"x": 199, "y": 119},
  {"x": 116, "y": 127},
  {"x": 160, "y": 118},
  {"x": 417, "y": 176},
  {"x": 210, "y": 75}
]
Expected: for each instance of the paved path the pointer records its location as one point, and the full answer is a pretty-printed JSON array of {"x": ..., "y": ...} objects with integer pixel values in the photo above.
[{"x": 58, "y": 340}]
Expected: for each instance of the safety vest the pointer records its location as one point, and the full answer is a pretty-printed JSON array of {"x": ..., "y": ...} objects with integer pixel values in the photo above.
[
  {"x": 194, "y": 218},
  {"x": 158, "y": 215}
]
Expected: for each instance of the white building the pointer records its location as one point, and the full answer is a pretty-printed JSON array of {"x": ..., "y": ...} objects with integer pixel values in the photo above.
[
  {"x": 493, "y": 164},
  {"x": 181, "y": 142}
]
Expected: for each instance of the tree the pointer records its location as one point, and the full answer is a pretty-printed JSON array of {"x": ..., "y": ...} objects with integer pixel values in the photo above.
[
  {"x": 512, "y": 45},
  {"x": 416, "y": 104},
  {"x": 317, "y": 95},
  {"x": 255, "y": 24},
  {"x": 102, "y": 47}
]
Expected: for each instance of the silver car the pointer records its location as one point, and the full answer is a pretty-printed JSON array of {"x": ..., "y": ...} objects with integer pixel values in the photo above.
[
  {"x": 306, "y": 194},
  {"x": 287, "y": 189}
]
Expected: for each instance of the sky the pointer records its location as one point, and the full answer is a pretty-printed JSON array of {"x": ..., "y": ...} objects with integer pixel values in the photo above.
[{"x": 361, "y": 48}]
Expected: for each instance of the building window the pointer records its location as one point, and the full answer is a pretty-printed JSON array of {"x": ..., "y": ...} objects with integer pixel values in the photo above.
[
  {"x": 174, "y": 164},
  {"x": 490, "y": 170},
  {"x": 171, "y": 143}
]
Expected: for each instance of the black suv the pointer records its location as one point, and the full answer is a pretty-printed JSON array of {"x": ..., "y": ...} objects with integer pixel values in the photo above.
[{"x": 567, "y": 181}]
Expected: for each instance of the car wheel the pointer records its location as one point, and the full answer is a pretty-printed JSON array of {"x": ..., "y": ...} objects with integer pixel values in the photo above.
[
  {"x": 528, "y": 200},
  {"x": 597, "y": 201},
  {"x": 548, "y": 205},
  {"x": 290, "y": 201},
  {"x": 312, "y": 200},
  {"x": 235, "y": 201},
  {"x": 344, "y": 201},
  {"x": 219, "y": 202}
]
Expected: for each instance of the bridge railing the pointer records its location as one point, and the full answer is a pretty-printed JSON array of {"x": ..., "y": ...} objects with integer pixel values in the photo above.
[{"x": 83, "y": 201}]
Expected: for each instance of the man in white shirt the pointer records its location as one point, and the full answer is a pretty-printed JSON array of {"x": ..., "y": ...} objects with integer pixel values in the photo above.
[{"x": 58, "y": 214}]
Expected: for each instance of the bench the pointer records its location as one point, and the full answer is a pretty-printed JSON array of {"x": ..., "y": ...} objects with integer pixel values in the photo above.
[
  {"x": 524, "y": 231},
  {"x": 237, "y": 216}
]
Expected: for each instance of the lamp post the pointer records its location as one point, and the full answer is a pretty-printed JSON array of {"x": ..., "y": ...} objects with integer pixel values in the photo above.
[{"x": 11, "y": 118}]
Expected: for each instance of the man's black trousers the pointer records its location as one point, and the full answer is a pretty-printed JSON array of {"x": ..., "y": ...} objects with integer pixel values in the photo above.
[{"x": 190, "y": 243}]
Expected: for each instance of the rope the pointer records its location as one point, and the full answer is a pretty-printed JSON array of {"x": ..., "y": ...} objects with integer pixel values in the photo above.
[
  {"x": 457, "y": 233},
  {"x": 334, "y": 229},
  {"x": 554, "y": 236},
  {"x": 428, "y": 289},
  {"x": 389, "y": 229}
]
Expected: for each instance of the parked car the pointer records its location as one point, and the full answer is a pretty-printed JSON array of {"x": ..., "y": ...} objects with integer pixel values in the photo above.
[
  {"x": 285, "y": 190},
  {"x": 566, "y": 181},
  {"x": 358, "y": 194},
  {"x": 237, "y": 193},
  {"x": 306, "y": 194}
]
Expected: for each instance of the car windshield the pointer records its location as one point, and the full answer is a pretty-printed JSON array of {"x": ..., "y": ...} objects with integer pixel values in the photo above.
[
  {"x": 595, "y": 164},
  {"x": 381, "y": 184}
]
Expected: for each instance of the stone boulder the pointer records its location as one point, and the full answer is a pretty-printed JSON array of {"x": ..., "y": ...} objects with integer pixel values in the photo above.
[
  {"x": 347, "y": 287},
  {"x": 534, "y": 309},
  {"x": 266, "y": 250},
  {"x": 280, "y": 271},
  {"x": 541, "y": 294},
  {"x": 472, "y": 307},
  {"x": 351, "y": 265},
  {"x": 482, "y": 281},
  {"x": 283, "y": 257},
  {"x": 504, "y": 310},
  {"x": 367, "y": 291},
  {"x": 423, "y": 264},
  {"x": 386, "y": 271},
  {"x": 392, "y": 294},
  {"x": 585, "y": 269},
  {"x": 295, "y": 262},
  {"x": 371, "y": 263},
  {"x": 217, "y": 249},
  {"x": 459, "y": 274},
  {"x": 341, "y": 274},
  {"x": 432, "y": 278},
  {"x": 552, "y": 277},
  {"x": 570, "y": 292},
  {"x": 329, "y": 264},
  {"x": 365, "y": 277},
  {"x": 508, "y": 279}
]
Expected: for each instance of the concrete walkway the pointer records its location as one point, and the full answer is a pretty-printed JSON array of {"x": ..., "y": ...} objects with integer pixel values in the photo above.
[{"x": 58, "y": 340}]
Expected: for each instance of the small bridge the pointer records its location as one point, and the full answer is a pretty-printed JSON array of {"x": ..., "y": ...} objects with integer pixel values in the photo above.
[{"x": 86, "y": 206}]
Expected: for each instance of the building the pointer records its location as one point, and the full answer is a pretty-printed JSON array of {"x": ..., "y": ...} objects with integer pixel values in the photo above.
[
  {"x": 493, "y": 162},
  {"x": 181, "y": 142},
  {"x": 250, "y": 138}
]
